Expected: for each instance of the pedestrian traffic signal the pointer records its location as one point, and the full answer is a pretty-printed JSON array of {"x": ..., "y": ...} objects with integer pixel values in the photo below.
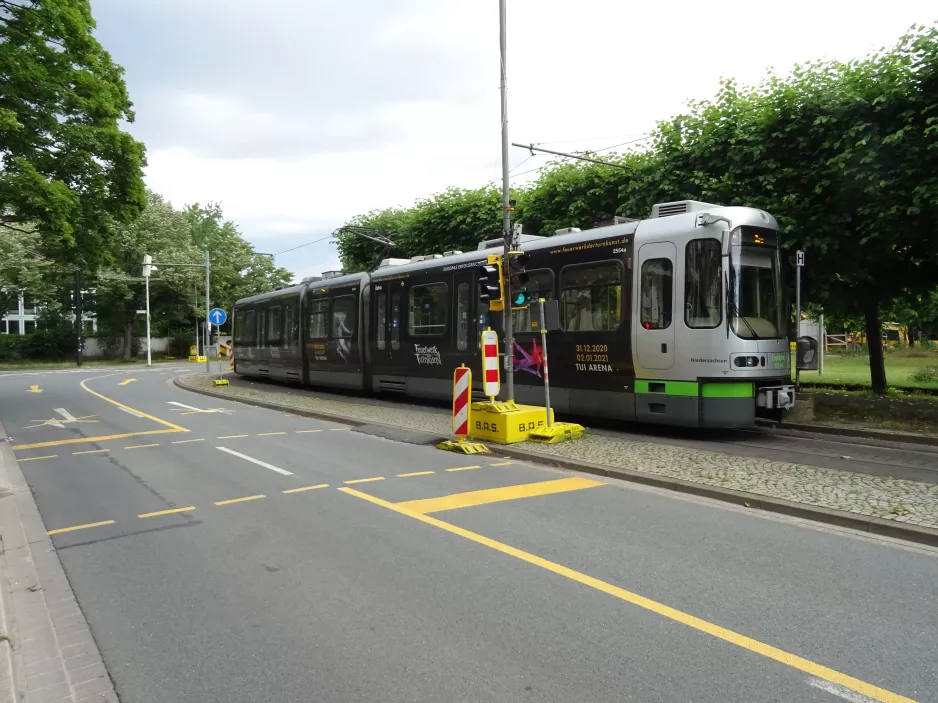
[
  {"x": 520, "y": 295},
  {"x": 491, "y": 286}
]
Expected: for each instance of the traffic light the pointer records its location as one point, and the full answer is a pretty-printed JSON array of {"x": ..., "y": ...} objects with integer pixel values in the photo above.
[
  {"x": 520, "y": 296},
  {"x": 491, "y": 289}
]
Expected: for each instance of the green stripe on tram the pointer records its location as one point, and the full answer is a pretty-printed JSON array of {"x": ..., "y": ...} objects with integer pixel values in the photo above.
[
  {"x": 692, "y": 388},
  {"x": 727, "y": 390},
  {"x": 667, "y": 387}
]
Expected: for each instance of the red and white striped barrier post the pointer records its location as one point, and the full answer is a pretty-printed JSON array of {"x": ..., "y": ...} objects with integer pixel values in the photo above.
[
  {"x": 462, "y": 391},
  {"x": 491, "y": 378}
]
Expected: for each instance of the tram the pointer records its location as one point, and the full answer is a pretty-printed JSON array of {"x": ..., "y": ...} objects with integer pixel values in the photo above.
[{"x": 676, "y": 319}]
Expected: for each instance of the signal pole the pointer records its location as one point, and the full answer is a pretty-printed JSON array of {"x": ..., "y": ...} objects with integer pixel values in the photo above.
[{"x": 507, "y": 234}]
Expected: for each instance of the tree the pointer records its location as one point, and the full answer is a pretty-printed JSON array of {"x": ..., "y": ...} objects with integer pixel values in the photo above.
[
  {"x": 67, "y": 167},
  {"x": 236, "y": 271},
  {"x": 22, "y": 268},
  {"x": 845, "y": 155},
  {"x": 163, "y": 233}
]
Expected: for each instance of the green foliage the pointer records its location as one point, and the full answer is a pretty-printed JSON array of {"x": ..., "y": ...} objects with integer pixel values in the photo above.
[
  {"x": 20, "y": 268},
  {"x": 163, "y": 233},
  {"x": 66, "y": 165}
]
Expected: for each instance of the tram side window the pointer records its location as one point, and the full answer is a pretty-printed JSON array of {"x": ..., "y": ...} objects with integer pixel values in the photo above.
[
  {"x": 261, "y": 328},
  {"x": 396, "y": 320},
  {"x": 274, "y": 325},
  {"x": 381, "y": 320},
  {"x": 657, "y": 293},
  {"x": 703, "y": 287},
  {"x": 319, "y": 319},
  {"x": 592, "y": 297},
  {"x": 540, "y": 285},
  {"x": 289, "y": 326},
  {"x": 462, "y": 316},
  {"x": 343, "y": 317},
  {"x": 427, "y": 310},
  {"x": 244, "y": 327}
]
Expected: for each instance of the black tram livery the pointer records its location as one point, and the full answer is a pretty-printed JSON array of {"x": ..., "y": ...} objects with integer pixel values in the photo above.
[{"x": 676, "y": 319}]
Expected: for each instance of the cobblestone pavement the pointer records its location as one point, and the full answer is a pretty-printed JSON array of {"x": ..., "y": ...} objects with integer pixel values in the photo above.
[{"x": 872, "y": 496}]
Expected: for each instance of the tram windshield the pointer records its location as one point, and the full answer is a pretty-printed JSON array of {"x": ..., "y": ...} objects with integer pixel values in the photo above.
[{"x": 755, "y": 285}]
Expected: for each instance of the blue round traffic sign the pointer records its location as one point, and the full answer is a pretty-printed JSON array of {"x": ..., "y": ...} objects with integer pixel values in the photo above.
[{"x": 217, "y": 316}]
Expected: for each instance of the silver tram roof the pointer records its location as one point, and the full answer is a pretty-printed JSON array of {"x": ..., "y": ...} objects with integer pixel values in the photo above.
[{"x": 682, "y": 218}]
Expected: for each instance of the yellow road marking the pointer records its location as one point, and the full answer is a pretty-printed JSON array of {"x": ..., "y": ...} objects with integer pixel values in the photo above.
[
  {"x": 495, "y": 495},
  {"x": 92, "y": 451},
  {"x": 239, "y": 500},
  {"x": 231, "y": 436},
  {"x": 141, "y": 446},
  {"x": 186, "y": 441},
  {"x": 753, "y": 645},
  {"x": 365, "y": 480},
  {"x": 102, "y": 438},
  {"x": 34, "y": 389},
  {"x": 307, "y": 488},
  {"x": 340, "y": 429},
  {"x": 307, "y": 431},
  {"x": 501, "y": 463},
  {"x": 129, "y": 380},
  {"x": 268, "y": 434},
  {"x": 37, "y": 458},
  {"x": 167, "y": 512},
  {"x": 416, "y": 473},
  {"x": 80, "y": 527},
  {"x": 464, "y": 468},
  {"x": 175, "y": 427}
]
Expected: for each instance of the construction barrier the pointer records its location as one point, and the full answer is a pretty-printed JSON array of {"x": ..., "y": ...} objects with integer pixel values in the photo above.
[{"x": 462, "y": 393}]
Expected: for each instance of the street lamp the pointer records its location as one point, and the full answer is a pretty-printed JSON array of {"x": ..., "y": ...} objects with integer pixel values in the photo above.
[{"x": 148, "y": 267}]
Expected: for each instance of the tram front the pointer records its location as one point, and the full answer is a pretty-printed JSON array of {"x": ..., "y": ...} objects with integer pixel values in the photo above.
[{"x": 759, "y": 348}]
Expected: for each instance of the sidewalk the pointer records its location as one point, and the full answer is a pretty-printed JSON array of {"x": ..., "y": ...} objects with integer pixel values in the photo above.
[
  {"x": 49, "y": 654},
  {"x": 878, "y": 504}
]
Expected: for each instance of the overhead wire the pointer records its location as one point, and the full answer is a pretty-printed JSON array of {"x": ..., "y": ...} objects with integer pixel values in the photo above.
[{"x": 321, "y": 239}]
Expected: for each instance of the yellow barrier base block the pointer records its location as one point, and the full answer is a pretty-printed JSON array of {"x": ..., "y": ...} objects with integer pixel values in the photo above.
[
  {"x": 221, "y": 382},
  {"x": 463, "y": 447},
  {"x": 558, "y": 432},
  {"x": 193, "y": 358},
  {"x": 505, "y": 423}
]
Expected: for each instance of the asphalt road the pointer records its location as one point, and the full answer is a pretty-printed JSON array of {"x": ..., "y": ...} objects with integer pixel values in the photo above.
[{"x": 389, "y": 576}]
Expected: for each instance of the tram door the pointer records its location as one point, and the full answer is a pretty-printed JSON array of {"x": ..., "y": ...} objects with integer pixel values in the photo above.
[{"x": 655, "y": 319}]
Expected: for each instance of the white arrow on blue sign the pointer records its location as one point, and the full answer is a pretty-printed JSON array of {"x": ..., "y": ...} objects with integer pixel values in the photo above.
[{"x": 217, "y": 316}]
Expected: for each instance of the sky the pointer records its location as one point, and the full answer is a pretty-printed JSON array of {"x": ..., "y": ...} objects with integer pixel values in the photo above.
[{"x": 296, "y": 115}]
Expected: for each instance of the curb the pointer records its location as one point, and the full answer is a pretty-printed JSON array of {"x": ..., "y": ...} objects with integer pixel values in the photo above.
[
  {"x": 39, "y": 609},
  {"x": 871, "y": 525},
  {"x": 895, "y": 437}
]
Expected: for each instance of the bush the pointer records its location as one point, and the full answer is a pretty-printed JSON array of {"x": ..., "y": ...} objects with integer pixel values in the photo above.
[
  {"x": 926, "y": 374},
  {"x": 10, "y": 347}
]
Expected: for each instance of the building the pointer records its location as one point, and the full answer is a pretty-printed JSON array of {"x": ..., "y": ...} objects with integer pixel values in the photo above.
[{"x": 21, "y": 319}]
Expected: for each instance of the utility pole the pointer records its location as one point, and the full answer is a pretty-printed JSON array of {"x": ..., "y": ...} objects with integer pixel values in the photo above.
[
  {"x": 507, "y": 234},
  {"x": 208, "y": 307},
  {"x": 78, "y": 330}
]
